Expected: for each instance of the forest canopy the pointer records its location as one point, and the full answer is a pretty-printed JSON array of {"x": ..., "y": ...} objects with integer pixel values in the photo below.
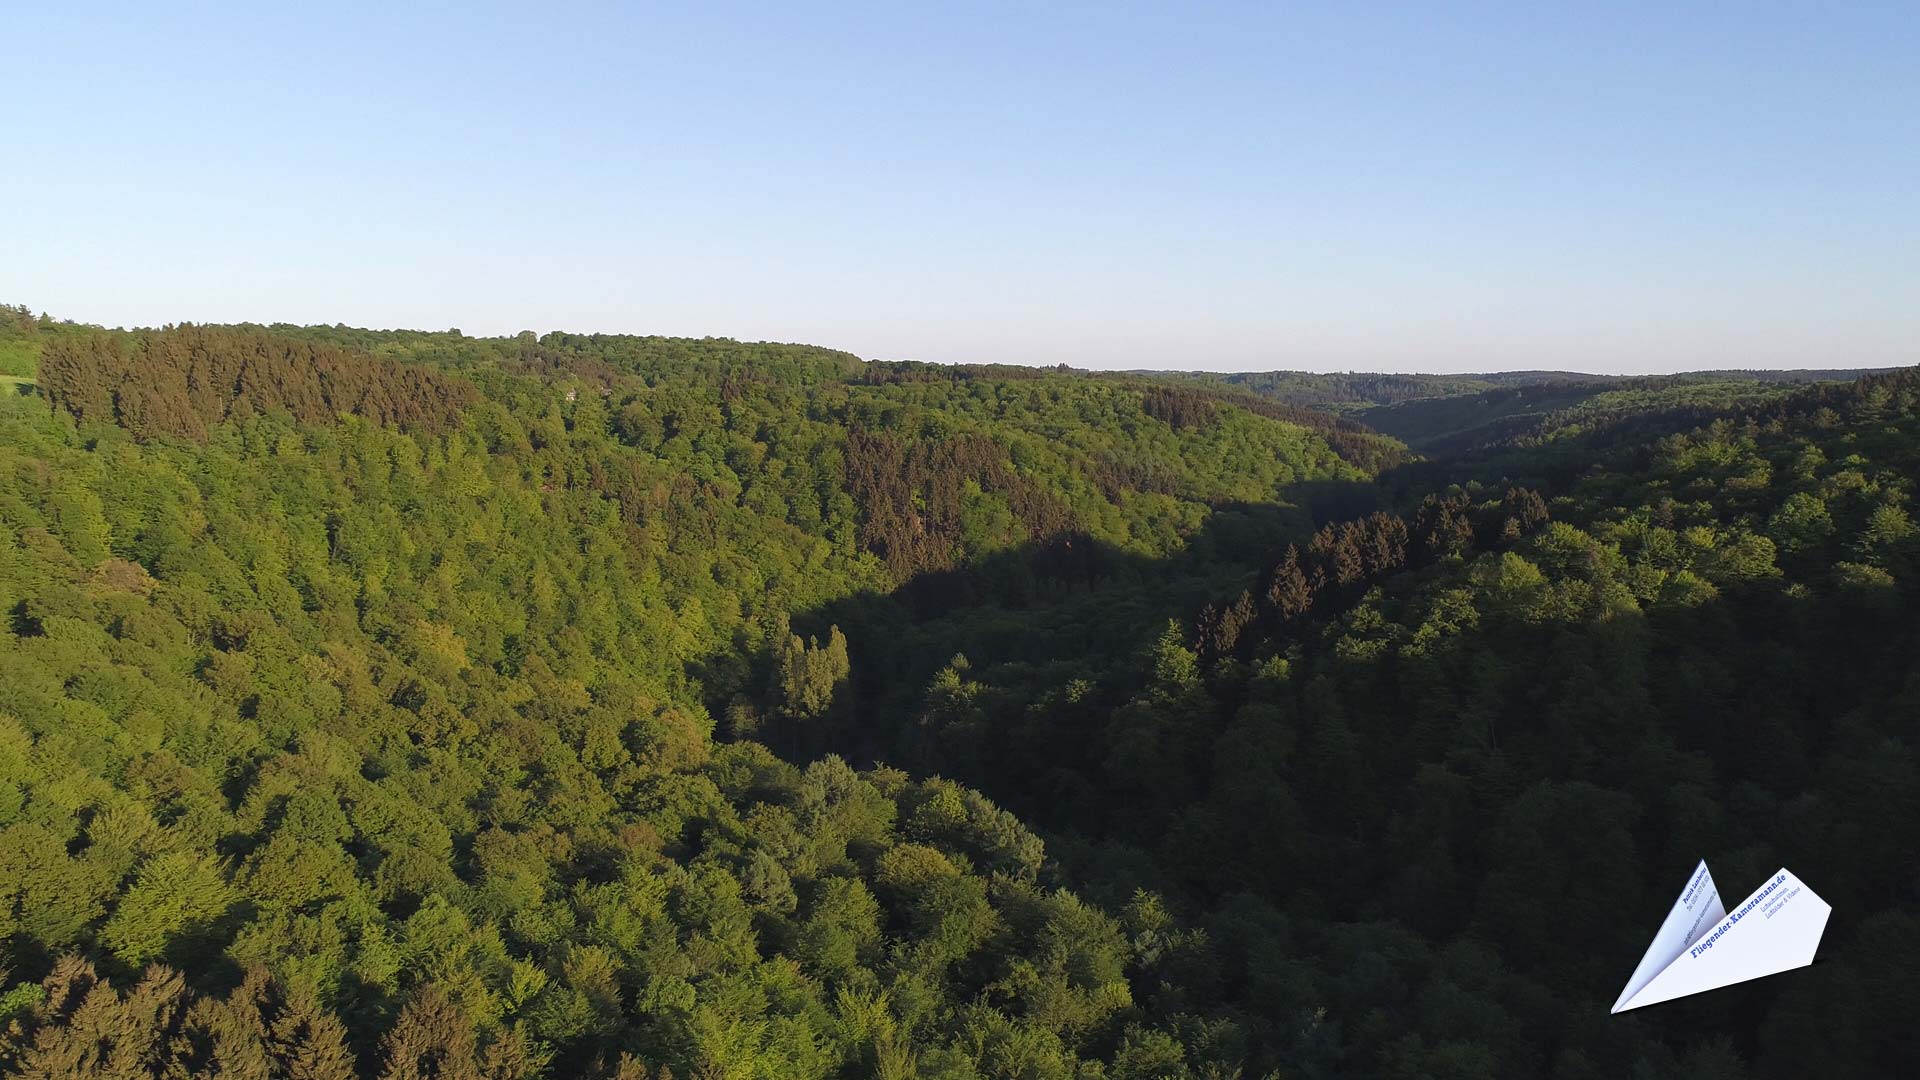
[{"x": 398, "y": 704}]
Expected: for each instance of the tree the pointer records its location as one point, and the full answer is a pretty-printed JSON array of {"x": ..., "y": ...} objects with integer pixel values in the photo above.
[
  {"x": 1800, "y": 524},
  {"x": 809, "y": 674},
  {"x": 433, "y": 1040},
  {"x": 1288, "y": 591},
  {"x": 177, "y": 899}
]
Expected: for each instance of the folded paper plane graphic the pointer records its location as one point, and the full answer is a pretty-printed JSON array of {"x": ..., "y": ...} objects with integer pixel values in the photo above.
[{"x": 1703, "y": 946}]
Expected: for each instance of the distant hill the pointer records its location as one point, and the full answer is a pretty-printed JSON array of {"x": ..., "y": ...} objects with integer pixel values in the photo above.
[
  {"x": 1454, "y": 414},
  {"x": 1347, "y": 391}
]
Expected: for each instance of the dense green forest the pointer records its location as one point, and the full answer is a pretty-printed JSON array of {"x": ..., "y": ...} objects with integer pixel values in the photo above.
[{"x": 407, "y": 705}]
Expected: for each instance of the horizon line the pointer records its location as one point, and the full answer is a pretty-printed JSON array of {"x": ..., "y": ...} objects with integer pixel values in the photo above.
[{"x": 1032, "y": 365}]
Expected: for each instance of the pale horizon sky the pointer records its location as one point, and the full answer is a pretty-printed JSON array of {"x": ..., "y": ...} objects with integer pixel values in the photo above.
[{"x": 1628, "y": 188}]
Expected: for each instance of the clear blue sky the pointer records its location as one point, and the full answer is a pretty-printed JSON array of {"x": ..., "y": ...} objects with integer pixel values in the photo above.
[{"x": 1620, "y": 187}]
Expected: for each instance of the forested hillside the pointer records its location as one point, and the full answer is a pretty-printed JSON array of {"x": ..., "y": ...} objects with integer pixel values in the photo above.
[
  {"x": 406, "y": 705},
  {"x": 1351, "y": 392},
  {"x": 1447, "y": 415},
  {"x": 388, "y": 730},
  {"x": 1541, "y": 413},
  {"x": 1435, "y": 770}
]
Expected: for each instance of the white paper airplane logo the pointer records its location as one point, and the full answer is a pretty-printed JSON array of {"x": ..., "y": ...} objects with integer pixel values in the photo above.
[{"x": 1702, "y": 947}]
